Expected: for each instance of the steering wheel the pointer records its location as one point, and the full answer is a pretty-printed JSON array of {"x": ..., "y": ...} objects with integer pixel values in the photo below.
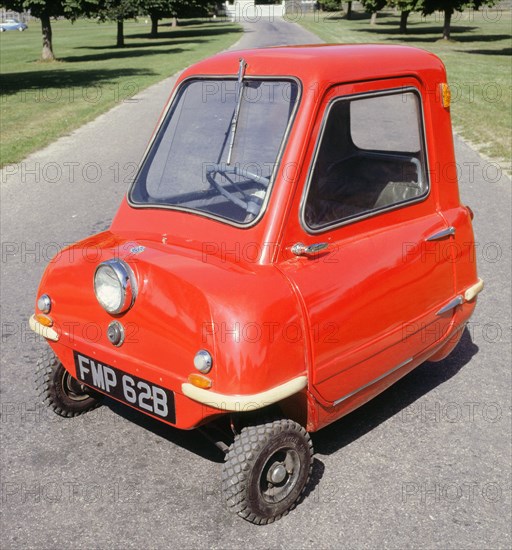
[{"x": 249, "y": 204}]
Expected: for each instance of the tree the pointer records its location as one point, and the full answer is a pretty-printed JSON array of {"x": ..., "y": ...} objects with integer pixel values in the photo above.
[
  {"x": 118, "y": 11},
  {"x": 449, "y": 7},
  {"x": 159, "y": 9},
  {"x": 373, "y": 6},
  {"x": 405, "y": 7},
  {"x": 44, "y": 10}
]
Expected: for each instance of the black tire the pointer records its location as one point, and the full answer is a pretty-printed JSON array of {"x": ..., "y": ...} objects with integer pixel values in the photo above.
[
  {"x": 281, "y": 450},
  {"x": 60, "y": 391}
]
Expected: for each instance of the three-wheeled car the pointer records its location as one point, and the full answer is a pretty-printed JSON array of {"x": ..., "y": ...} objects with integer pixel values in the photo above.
[{"x": 292, "y": 245}]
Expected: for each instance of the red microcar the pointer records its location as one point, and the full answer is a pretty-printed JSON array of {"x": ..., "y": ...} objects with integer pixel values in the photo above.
[{"x": 292, "y": 245}]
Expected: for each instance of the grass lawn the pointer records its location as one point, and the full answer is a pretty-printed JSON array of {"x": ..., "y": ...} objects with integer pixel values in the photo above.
[
  {"x": 41, "y": 101},
  {"x": 477, "y": 58}
]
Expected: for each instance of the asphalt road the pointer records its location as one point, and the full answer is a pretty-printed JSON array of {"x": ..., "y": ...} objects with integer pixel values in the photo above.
[{"x": 424, "y": 465}]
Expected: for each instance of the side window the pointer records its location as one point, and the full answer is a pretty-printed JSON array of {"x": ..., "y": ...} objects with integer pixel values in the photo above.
[{"x": 370, "y": 157}]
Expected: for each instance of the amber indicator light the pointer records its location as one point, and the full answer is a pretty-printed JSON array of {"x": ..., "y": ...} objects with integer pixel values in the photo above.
[
  {"x": 44, "y": 320},
  {"x": 200, "y": 381},
  {"x": 446, "y": 95}
]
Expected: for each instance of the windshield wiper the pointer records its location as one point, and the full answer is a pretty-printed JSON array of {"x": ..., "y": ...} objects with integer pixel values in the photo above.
[{"x": 234, "y": 120}]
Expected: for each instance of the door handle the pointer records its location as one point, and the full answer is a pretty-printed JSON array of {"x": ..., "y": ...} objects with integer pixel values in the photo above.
[
  {"x": 300, "y": 249},
  {"x": 442, "y": 234}
]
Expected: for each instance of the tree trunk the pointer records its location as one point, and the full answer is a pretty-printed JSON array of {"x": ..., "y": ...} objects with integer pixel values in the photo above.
[
  {"x": 120, "y": 33},
  {"x": 46, "y": 26},
  {"x": 154, "y": 26},
  {"x": 349, "y": 10},
  {"x": 174, "y": 21},
  {"x": 403, "y": 21},
  {"x": 373, "y": 18},
  {"x": 447, "y": 23}
]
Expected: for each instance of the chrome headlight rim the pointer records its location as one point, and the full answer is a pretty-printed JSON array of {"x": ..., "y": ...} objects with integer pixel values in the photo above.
[
  {"x": 44, "y": 303},
  {"x": 203, "y": 361},
  {"x": 127, "y": 285}
]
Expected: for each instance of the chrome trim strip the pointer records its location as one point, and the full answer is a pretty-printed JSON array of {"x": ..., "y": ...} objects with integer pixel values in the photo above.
[
  {"x": 338, "y": 401},
  {"x": 442, "y": 234},
  {"x": 451, "y": 305}
]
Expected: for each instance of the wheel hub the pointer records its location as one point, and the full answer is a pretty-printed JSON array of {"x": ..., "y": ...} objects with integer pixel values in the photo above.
[
  {"x": 277, "y": 473},
  {"x": 74, "y": 389}
]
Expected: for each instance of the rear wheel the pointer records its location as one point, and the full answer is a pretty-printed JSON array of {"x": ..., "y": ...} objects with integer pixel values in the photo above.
[
  {"x": 266, "y": 470},
  {"x": 63, "y": 393}
]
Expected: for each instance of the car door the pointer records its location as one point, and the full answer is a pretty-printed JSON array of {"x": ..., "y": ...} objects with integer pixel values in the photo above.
[{"x": 369, "y": 258}]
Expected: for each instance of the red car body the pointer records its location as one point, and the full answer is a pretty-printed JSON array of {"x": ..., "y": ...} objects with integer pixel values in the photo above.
[{"x": 316, "y": 332}]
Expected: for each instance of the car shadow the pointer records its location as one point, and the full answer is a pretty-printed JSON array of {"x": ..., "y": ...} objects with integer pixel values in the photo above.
[
  {"x": 394, "y": 400},
  {"x": 342, "y": 432},
  {"x": 191, "y": 440}
]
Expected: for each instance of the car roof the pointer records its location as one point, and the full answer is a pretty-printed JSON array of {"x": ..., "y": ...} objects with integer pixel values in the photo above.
[{"x": 340, "y": 63}]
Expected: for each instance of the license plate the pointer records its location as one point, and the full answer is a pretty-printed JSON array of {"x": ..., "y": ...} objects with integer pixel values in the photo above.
[{"x": 134, "y": 391}]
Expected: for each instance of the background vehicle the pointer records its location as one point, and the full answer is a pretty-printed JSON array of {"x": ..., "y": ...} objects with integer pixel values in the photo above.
[{"x": 12, "y": 25}]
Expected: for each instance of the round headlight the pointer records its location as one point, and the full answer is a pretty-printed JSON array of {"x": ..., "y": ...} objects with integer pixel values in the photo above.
[
  {"x": 115, "y": 286},
  {"x": 44, "y": 303},
  {"x": 203, "y": 361}
]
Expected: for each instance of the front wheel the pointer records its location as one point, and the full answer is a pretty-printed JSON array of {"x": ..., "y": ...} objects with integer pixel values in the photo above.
[
  {"x": 63, "y": 393},
  {"x": 266, "y": 470}
]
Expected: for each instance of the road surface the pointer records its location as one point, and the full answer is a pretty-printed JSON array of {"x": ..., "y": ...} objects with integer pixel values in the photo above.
[{"x": 424, "y": 465}]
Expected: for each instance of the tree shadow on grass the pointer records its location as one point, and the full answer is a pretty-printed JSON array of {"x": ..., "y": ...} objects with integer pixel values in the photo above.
[
  {"x": 188, "y": 22},
  {"x": 504, "y": 51},
  {"x": 147, "y": 44},
  {"x": 13, "y": 83},
  {"x": 483, "y": 38},
  {"x": 119, "y": 54},
  {"x": 342, "y": 16},
  {"x": 188, "y": 33},
  {"x": 436, "y": 32}
]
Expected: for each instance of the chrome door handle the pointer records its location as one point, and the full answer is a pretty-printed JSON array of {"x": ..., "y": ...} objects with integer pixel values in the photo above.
[
  {"x": 442, "y": 234},
  {"x": 300, "y": 249}
]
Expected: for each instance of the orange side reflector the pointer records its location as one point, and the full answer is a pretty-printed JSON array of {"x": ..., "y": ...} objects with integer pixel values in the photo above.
[
  {"x": 44, "y": 320},
  {"x": 200, "y": 381},
  {"x": 446, "y": 95}
]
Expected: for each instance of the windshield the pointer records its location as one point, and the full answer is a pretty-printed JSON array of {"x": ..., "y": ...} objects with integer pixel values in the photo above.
[{"x": 217, "y": 149}]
